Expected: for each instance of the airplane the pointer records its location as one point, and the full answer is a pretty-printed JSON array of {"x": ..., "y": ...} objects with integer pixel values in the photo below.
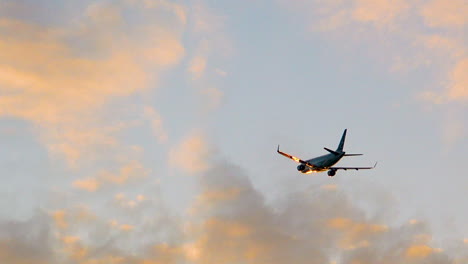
[{"x": 325, "y": 162}]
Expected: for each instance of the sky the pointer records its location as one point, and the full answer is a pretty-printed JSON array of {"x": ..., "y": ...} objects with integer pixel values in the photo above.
[{"x": 145, "y": 131}]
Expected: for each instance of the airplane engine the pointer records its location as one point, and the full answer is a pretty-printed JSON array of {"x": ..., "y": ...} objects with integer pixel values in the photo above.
[
  {"x": 331, "y": 173},
  {"x": 303, "y": 168}
]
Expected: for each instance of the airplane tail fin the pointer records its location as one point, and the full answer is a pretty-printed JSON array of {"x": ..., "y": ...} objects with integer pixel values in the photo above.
[{"x": 342, "y": 141}]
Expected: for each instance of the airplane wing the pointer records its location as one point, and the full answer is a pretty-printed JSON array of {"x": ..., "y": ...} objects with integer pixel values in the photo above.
[
  {"x": 296, "y": 159},
  {"x": 353, "y": 168}
]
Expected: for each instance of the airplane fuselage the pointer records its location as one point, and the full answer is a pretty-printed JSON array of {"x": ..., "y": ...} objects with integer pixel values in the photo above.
[
  {"x": 321, "y": 163},
  {"x": 325, "y": 161}
]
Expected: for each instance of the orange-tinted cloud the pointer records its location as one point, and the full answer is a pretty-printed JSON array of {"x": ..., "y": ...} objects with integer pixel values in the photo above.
[
  {"x": 164, "y": 47},
  {"x": 191, "y": 154},
  {"x": 440, "y": 13},
  {"x": 70, "y": 239},
  {"x": 408, "y": 43},
  {"x": 156, "y": 122},
  {"x": 379, "y": 11},
  {"x": 214, "y": 97},
  {"x": 197, "y": 67},
  {"x": 459, "y": 78},
  {"x": 230, "y": 228},
  {"x": 405, "y": 36},
  {"x": 211, "y": 196},
  {"x": 355, "y": 234},
  {"x": 125, "y": 202},
  {"x": 123, "y": 227},
  {"x": 329, "y": 187},
  {"x": 130, "y": 172},
  {"x": 126, "y": 227},
  {"x": 420, "y": 251},
  {"x": 234, "y": 225},
  {"x": 90, "y": 184},
  {"x": 62, "y": 78},
  {"x": 59, "y": 219},
  {"x": 179, "y": 10},
  {"x": 106, "y": 260},
  {"x": 212, "y": 45}
]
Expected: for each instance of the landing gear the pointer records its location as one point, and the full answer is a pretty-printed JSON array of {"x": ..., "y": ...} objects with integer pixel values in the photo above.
[{"x": 331, "y": 173}]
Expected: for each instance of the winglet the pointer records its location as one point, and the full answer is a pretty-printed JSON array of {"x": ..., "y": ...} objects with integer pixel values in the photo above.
[
  {"x": 375, "y": 165},
  {"x": 277, "y": 150}
]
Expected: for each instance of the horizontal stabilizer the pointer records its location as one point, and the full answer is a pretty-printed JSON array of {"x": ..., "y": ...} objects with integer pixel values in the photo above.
[
  {"x": 353, "y": 154},
  {"x": 332, "y": 152}
]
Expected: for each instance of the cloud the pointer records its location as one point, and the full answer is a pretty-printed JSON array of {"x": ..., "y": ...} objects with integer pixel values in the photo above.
[
  {"x": 329, "y": 187},
  {"x": 221, "y": 72},
  {"x": 130, "y": 172},
  {"x": 399, "y": 39},
  {"x": 65, "y": 219},
  {"x": 197, "y": 67},
  {"x": 69, "y": 240},
  {"x": 211, "y": 196},
  {"x": 59, "y": 218},
  {"x": 459, "y": 79},
  {"x": 355, "y": 234},
  {"x": 379, "y": 11},
  {"x": 407, "y": 38},
  {"x": 166, "y": 49},
  {"x": 124, "y": 202},
  {"x": 230, "y": 223},
  {"x": 449, "y": 14},
  {"x": 89, "y": 184},
  {"x": 156, "y": 122},
  {"x": 191, "y": 154},
  {"x": 123, "y": 227},
  {"x": 241, "y": 228},
  {"x": 337, "y": 15},
  {"x": 179, "y": 10},
  {"x": 206, "y": 19},
  {"x": 26, "y": 242},
  {"x": 211, "y": 47},
  {"x": 214, "y": 97},
  {"x": 419, "y": 251},
  {"x": 64, "y": 79}
]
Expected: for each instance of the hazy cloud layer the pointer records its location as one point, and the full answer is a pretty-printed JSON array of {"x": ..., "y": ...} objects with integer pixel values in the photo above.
[{"x": 229, "y": 222}]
